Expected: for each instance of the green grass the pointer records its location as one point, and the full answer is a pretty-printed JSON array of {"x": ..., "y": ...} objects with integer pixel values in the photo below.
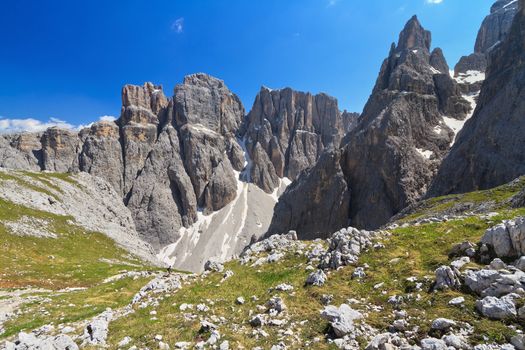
[
  {"x": 20, "y": 181},
  {"x": 498, "y": 196},
  {"x": 47, "y": 177},
  {"x": 413, "y": 251},
  {"x": 71, "y": 260},
  {"x": 246, "y": 282},
  {"x": 66, "y": 308}
]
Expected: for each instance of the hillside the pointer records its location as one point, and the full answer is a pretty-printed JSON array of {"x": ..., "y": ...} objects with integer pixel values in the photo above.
[{"x": 263, "y": 298}]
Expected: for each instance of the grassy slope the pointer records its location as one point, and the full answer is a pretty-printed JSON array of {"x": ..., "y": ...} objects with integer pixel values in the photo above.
[
  {"x": 414, "y": 251},
  {"x": 77, "y": 258},
  {"x": 410, "y": 251}
]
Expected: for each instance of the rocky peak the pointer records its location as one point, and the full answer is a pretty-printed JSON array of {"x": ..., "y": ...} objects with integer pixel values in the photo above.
[
  {"x": 414, "y": 36},
  {"x": 207, "y": 101},
  {"x": 438, "y": 61},
  {"x": 286, "y": 132},
  {"x": 493, "y": 30},
  {"x": 402, "y": 135},
  {"x": 148, "y": 96},
  {"x": 496, "y": 26},
  {"x": 488, "y": 151}
]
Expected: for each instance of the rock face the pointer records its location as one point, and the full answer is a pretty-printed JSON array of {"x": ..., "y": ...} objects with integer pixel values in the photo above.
[
  {"x": 286, "y": 132},
  {"x": 166, "y": 158},
  {"x": 494, "y": 30},
  {"x": 487, "y": 152},
  {"x": 497, "y": 25},
  {"x": 59, "y": 150},
  {"x": 23, "y": 151},
  {"x": 188, "y": 166},
  {"x": 101, "y": 153},
  {"x": 317, "y": 203},
  {"x": 208, "y": 117},
  {"x": 143, "y": 109},
  {"x": 401, "y": 136},
  {"x": 507, "y": 240}
]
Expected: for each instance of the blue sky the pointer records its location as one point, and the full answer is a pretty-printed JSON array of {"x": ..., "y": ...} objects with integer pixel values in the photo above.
[{"x": 69, "y": 59}]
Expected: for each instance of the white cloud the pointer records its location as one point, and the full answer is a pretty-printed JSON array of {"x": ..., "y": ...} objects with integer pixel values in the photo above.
[
  {"x": 178, "y": 25},
  {"x": 107, "y": 118},
  {"x": 13, "y": 125},
  {"x": 434, "y": 2},
  {"x": 332, "y": 2},
  {"x": 32, "y": 125}
]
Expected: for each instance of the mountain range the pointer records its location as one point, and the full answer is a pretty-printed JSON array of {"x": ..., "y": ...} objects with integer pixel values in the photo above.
[{"x": 202, "y": 178}]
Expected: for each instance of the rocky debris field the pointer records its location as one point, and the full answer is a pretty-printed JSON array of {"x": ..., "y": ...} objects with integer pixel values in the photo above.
[{"x": 424, "y": 282}]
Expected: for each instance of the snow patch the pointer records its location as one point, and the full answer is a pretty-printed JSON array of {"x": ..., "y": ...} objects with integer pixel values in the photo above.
[
  {"x": 228, "y": 231},
  {"x": 283, "y": 184},
  {"x": 425, "y": 153},
  {"x": 470, "y": 77},
  {"x": 509, "y": 4}
]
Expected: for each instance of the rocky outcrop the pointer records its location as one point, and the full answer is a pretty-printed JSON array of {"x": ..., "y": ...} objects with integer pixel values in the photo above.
[
  {"x": 60, "y": 150},
  {"x": 208, "y": 117},
  {"x": 494, "y": 29},
  {"x": 162, "y": 199},
  {"x": 350, "y": 120},
  {"x": 21, "y": 151},
  {"x": 101, "y": 153},
  {"x": 292, "y": 129},
  {"x": 317, "y": 203},
  {"x": 143, "y": 109},
  {"x": 188, "y": 166},
  {"x": 487, "y": 152},
  {"x": 393, "y": 153}
]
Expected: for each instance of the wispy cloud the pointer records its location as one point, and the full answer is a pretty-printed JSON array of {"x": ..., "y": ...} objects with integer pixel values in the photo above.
[
  {"x": 178, "y": 25},
  {"x": 433, "y": 2},
  {"x": 13, "y": 125},
  {"x": 32, "y": 125},
  {"x": 332, "y": 2}
]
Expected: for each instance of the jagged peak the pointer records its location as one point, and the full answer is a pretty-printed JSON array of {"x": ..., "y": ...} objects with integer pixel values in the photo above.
[
  {"x": 414, "y": 36},
  {"x": 290, "y": 90},
  {"x": 203, "y": 79}
]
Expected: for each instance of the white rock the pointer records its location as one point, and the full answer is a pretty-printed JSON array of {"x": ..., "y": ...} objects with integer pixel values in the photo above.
[
  {"x": 457, "y": 301},
  {"x": 317, "y": 278},
  {"x": 442, "y": 324},
  {"x": 341, "y": 318},
  {"x": 497, "y": 308},
  {"x": 433, "y": 344}
]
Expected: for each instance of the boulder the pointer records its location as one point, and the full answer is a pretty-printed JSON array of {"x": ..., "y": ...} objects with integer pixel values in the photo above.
[
  {"x": 497, "y": 308},
  {"x": 317, "y": 278},
  {"x": 507, "y": 239},
  {"x": 341, "y": 319},
  {"x": 447, "y": 278},
  {"x": 442, "y": 324},
  {"x": 433, "y": 344}
]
